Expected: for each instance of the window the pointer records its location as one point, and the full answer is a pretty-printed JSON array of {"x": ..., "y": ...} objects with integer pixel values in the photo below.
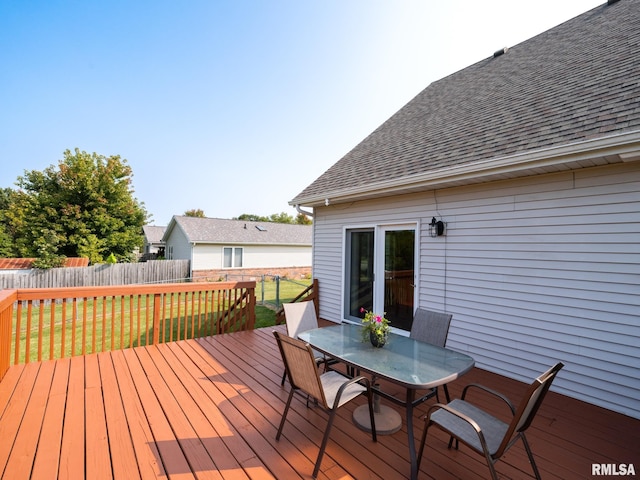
[{"x": 232, "y": 257}]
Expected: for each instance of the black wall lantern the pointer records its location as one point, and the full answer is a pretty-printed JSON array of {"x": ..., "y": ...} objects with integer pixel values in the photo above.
[{"x": 436, "y": 228}]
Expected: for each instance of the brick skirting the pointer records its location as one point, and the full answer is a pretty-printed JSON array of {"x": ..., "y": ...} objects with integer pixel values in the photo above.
[{"x": 247, "y": 274}]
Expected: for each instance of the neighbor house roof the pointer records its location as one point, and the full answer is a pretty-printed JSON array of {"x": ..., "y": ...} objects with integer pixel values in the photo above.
[
  {"x": 567, "y": 98},
  {"x": 27, "y": 263},
  {"x": 217, "y": 230},
  {"x": 153, "y": 234}
]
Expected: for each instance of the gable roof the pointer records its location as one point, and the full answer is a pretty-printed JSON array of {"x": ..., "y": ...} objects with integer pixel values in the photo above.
[
  {"x": 153, "y": 234},
  {"x": 223, "y": 231},
  {"x": 27, "y": 263},
  {"x": 567, "y": 98}
]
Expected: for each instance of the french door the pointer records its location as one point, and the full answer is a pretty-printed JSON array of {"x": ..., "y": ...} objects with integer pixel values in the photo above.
[{"x": 380, "y": 272}]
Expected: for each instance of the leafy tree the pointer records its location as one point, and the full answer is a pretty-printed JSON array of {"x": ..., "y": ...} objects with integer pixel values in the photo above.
[
  {"x": 83, "y": 207},
  {"x": 194, "y": 213},
  {"x": 302, "y": 219},
  {"x": 281, "y": 217},
  {"x": 7, "y": 248}
]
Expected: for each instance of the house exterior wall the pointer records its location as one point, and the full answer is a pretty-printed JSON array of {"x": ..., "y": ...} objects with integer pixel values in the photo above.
[
  {"x": 177, "y": 246},
  {"x": 210, "y": 257},
  {"x": 533, "y": 270}
]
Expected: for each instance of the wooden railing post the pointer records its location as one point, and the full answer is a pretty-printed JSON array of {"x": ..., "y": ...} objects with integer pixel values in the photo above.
[{"x": 7, "y": 297}]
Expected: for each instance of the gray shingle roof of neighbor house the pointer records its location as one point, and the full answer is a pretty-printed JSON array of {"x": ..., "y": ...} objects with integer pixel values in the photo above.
[
  {"x": 567, "y": 98},
  {"x": 153, "y": 233},
  {"x": 217, "y": 230}
]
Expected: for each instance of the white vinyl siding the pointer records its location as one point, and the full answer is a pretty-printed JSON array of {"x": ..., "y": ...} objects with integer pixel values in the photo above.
[
  {"x": 177, "y": 245},
  {"x": 534, "y": 270},
  {"x": 206, "y": 256}
]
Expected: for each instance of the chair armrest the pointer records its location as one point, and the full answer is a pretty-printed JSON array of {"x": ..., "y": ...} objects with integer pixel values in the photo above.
[
  {"x": 491, "y": 392},
  {"x": 351, "y": 381}
]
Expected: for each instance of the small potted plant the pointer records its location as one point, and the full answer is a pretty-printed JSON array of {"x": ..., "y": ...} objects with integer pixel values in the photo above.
[{"x": 375, "y": 328}]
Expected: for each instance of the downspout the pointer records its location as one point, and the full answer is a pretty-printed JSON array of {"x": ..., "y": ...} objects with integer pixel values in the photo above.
[{"x": 303, "y": 212}]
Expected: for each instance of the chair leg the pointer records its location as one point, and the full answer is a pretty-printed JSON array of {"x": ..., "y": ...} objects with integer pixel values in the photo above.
[
  {"x": 490, "y": 462},
  {"x": 284, "y": 376},
  {"x": 530, "y": 454},
  {"x": 325, "y": 439},
  {"x": 284, "y": 414}
]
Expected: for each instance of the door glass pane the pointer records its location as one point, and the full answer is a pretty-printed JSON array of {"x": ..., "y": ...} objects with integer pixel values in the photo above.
[
  {"x": 399, "y": 257},
  {"x": 359, "y": 272}
]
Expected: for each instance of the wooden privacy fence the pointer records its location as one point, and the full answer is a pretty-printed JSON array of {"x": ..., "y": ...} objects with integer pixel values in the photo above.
[
  {"x": 41, "y": 324},
  {"x": 153, "y": 271}
]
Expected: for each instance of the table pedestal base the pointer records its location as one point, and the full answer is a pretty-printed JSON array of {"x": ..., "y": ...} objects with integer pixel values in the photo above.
[{"x": 388, "y": 421}]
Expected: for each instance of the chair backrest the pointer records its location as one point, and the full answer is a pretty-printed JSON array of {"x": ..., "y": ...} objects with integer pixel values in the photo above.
[
  {"x": 529, "y": 405},
  {"x": 300, "y": 317},
  {"x": 431, "y": 327},
  {"x": 301, "y": 366}
]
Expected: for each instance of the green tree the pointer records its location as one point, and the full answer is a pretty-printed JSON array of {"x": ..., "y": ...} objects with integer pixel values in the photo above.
[
  {"x": 7, "y": 247},
  {"x": 83, "y": 207},
  {"x": 302, "y": 219},
  {"x": 281, "y": 217},
  {"x": 194, "y": 213}
]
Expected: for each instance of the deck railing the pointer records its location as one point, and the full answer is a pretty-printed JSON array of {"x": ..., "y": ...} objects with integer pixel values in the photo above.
[
  {"x": 309, "y": 294},
  {"x": 47, "y": 323}
]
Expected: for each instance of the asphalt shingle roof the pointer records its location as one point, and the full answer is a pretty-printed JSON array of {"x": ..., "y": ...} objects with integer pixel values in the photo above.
[
  {"x": 217, "y": 230},
  {"x": 153, "y": 233},
  {"x": 575, "y": 82}
]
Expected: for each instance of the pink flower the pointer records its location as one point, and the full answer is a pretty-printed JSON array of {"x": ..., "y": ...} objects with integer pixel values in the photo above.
[{"x": 362, "y": 310}]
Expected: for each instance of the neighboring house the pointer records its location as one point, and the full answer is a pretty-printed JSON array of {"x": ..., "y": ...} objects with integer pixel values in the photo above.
[
  {"x": 221, "y": 249},
  {"x": 153, "y": 244},
  {"x": 531, "y": 159}
]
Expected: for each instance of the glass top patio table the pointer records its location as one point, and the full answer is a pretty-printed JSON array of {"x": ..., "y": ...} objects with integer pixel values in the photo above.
[
  {"x": 402, "y": 360},
  {"x": 405, "y": 361}
]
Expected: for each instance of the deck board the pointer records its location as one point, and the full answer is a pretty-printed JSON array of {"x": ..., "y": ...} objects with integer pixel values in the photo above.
[{"x": 210, "y": 408}]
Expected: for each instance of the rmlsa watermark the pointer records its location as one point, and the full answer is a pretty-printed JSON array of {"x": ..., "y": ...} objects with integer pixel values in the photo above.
[{"x": 613, "y": 469}]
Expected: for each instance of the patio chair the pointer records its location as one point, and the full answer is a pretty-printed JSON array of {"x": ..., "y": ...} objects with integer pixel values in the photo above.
[
  {"x": 431, "y": 327},
  {"x": 330, "y": 390},
  {"x": 484, "y": 433},
  {"x": 300, "y": 317}
]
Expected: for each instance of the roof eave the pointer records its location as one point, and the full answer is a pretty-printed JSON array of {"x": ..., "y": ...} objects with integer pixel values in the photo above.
[{"x": 624, "y": 147}]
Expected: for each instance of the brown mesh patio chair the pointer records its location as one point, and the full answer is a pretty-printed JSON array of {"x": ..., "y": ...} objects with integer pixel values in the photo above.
[
  {"x": 431, "y": 327},
  {"x": 300, "y": 317},
  {"x": 484, "y": 433},
  {"x": 330, "y": 390}
]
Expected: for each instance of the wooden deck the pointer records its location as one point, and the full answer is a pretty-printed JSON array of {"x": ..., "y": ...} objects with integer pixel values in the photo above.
[{"x": 209, "y": 408}]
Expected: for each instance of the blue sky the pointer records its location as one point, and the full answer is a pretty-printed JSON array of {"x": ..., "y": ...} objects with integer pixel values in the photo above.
[{"x": 231, "y": 106}]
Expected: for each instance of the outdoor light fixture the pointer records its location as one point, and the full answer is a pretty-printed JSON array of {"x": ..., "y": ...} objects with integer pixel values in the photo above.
[{"x": 436, "y": 228}]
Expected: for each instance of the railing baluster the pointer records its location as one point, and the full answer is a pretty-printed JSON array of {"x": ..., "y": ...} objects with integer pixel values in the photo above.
[
  {"x": 156, "y": 318},
  {"x": 40, "y": 329},
  {"x": 74, "y": 314},
  {"x": 94, "y": 326},
  {"x": 27, "y": 344},
  {"x": 84, "y": 325},
  {"x": 52, "y": 330}
]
